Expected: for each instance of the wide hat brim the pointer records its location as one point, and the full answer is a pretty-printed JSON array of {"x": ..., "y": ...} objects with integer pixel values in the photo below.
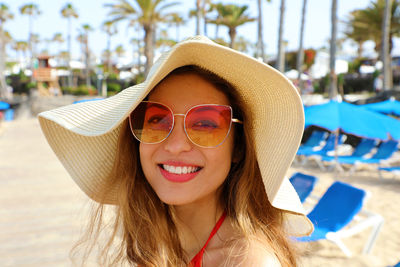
[{"x": 84, "y": 135}]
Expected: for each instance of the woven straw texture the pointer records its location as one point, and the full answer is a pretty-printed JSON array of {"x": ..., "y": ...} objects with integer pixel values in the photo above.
[{"x": 84, "y": 135}]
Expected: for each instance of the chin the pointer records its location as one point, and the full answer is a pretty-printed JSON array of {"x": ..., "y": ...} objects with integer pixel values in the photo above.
[{"x": 175, "y": 200}]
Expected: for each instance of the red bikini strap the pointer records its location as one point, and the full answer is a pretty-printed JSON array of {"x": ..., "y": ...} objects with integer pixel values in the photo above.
[
  {"x": 215, "y": 229},
  {"x": 197, "y": 260}
]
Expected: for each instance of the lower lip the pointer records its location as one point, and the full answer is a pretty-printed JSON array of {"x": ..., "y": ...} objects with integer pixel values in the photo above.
[{"x": 178, "y": 178}]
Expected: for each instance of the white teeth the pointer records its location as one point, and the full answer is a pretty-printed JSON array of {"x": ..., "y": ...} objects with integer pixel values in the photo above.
[{"x": 180, "y": 169}]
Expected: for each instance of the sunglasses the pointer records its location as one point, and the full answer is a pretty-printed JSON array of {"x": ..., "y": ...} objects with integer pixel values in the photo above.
[{"x": 205, "y": 125}]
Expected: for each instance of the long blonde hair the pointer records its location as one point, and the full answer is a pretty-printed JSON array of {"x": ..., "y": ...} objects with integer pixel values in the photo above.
[{"x": 149, "y": 235}]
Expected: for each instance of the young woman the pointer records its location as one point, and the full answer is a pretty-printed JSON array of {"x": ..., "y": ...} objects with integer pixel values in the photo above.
[{"x": 193, "y": 160}]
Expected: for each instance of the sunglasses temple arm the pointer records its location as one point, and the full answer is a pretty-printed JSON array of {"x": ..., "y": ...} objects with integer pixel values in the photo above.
[{"x": 237, "y": 120}]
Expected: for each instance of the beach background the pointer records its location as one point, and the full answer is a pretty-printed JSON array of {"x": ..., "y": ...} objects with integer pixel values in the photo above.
[{"x": 42, "y": 211}]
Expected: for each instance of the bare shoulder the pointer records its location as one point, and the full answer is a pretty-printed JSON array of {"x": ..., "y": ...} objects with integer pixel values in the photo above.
[
  {"x": 261, "y": 255},
  {"x": 256, "y": 254}
]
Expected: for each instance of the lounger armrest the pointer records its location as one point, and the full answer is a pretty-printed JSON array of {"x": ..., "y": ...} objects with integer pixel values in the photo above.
[{"x": 364, "y": 220}]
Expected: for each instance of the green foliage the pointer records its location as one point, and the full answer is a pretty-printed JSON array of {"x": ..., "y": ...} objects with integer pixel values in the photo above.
[
  {"x": 366, "y": 24},
  {"x": 309, "y": 58},
  {"x": 139, "y": 78},
  {"x": 20, "y": 83},
  {"x": 354, "y": 66},
  {"x": 321, "y": 86},
  {"x": 10, "y": 64},
  {"x": 340, "y": 79},
  {"x": 31, "y": 85},
  {"x": 80, "y": 90},
  {"x": 291, "y": 59},
  {"x": 231, "y": 16},
  {"x": 358, "y": 83},
  {"x": 113, "y": 87},
  {"x": 22, "y": 76},
  {"x": 147, "y": 13},
  {"x": 112, "y": 76},
  {"x": 66, "y": 90},
  {"x": 352, "y": 83}
]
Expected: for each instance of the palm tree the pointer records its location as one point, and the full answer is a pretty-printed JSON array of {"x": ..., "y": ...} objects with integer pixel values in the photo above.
[
  {"x": 281, "y": 50},
  {"x": 21, "y": 47},
  {"x": 86, "y": 28},
  {"x": 369, "y": 22},
  {"x": 164, "y": 41},
  {"x": 200, "y": 12},
  {"x": 5, "y": 15},
  {"x": 260, "y": 39},
  {"x": 58, "y": 39},
  {"x": 386, "y": 59},
  {"x": 300, "y": 53},
  {"x": 146, "y": 12},
  {"x": 332, "y": 51},
  {"x": 355, "y": 32},
  {"x": 137, "y": 43},
  {"x": 35, "y": 42},
  {"x": 176, "y": 20},
  {"x": 69, "y": 12},
  {"x": 211, "y": 9},
  {"x": 243, "y": 45},
  {"x": 63, "y": 56},
  {"x": 231, "y": 16},
  {"x": 120, "y": 50},
  {"x": 32, "y": 10},
  {"x": 198, "y": 16},
  {"x": 110, "y": 29}
]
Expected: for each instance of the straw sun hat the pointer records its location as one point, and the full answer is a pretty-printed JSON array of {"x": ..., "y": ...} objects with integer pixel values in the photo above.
[{"x": 84, "y": 135}]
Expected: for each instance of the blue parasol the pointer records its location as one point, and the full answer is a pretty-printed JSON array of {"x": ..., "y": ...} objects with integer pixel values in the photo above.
[
  {"x": 87, "y": 100},
  {"x": 390, "y": 107},
  {"x": 353, "y": 120},
  {"x": 4, "y": 105}
]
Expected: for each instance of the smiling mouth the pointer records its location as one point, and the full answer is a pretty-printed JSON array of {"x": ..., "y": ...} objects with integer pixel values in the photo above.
[{"x": 180, "y": 169}]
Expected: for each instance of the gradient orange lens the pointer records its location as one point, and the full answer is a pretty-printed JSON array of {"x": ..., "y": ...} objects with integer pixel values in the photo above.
[
  {"x": 208, "y": 125},
  {"x": 151, "y": 122}
]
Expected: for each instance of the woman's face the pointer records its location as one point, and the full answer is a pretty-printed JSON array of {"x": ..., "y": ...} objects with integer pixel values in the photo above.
[{"x": 180, "y": 93}]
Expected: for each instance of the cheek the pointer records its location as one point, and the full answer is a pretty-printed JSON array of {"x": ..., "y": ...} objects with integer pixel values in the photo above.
[{"x": 221, "y": 158}]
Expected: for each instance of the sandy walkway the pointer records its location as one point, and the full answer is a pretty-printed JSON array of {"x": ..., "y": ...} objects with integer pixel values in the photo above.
[
  {"x": 41, "y": 207},
  {"x": 40, "y": 204}
]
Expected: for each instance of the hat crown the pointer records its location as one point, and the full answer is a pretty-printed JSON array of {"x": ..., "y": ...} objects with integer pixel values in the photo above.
[{"x": 163, "y": 56}]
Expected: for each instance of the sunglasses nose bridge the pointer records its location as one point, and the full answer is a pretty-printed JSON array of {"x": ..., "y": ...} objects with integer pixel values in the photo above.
[
  {"x": 177, "y": 140},
  {"x": 183, "y": 121}
]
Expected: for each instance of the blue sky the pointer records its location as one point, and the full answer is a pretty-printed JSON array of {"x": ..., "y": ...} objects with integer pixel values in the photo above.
[{"x": 94, "y": 13}]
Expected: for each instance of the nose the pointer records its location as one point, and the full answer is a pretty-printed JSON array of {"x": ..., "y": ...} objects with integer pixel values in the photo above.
[{"x": 177, "y": 142}]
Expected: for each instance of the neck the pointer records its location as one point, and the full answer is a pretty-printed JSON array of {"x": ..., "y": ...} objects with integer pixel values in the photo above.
[{"x": 195, "y": 222}]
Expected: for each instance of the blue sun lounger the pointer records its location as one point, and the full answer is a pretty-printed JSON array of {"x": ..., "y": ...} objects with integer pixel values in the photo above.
[
  {"x": 390, "y": 169},
  {"x": 315, "y": 139},
  {"x": 303, "y": 184},
  {"x": 333, "y": 217},
  {"x": 395, "y": 170},
  {"x": 363, "y": 148},
  {"x": 329, "y": 146},
  {"x": 309, "y": 150},
  {"x": 384, "y": 151}
]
